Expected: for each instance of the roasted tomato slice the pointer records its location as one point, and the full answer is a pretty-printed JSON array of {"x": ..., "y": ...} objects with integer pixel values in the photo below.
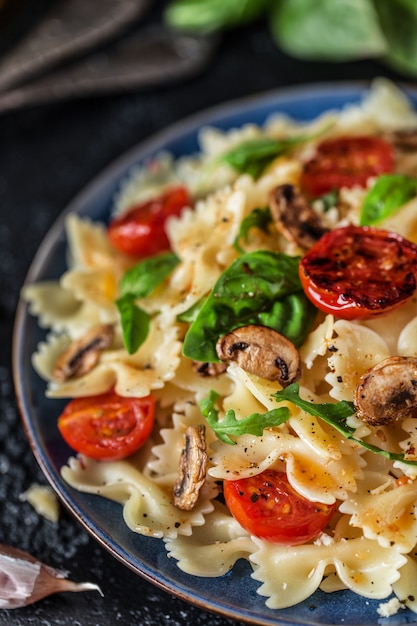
[
  {"x": 346, "y": 162},
  {"x": 141, "y": 231},
  {"x": 108, "y": 426},
  {"x": 358, "y": 272},
  {"x": 267, "y": 506}
]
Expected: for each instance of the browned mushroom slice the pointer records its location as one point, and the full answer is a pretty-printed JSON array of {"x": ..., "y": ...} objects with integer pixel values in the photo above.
[
  {"x": 294, "y": 216},
  {"x": 388, "y": 391},
  {"x": 261, "y": 351},
  {"x": 208, "y": 369},
  {"x": 405, "y": 140},
  {"x": 82, "y": 354},
  {"x": 192, "y": 468}
]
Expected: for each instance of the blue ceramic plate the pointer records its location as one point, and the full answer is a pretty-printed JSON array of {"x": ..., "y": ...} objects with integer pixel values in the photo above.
[{"x": 233, "y": 595}]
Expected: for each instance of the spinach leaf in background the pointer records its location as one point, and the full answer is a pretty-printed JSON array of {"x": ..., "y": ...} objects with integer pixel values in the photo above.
[
  {"x": 139, "y": 282},
  {"x": 386, "y": 196},
  {"x": 256, "y": 288},
  {"x": 336, "y": 415},
  {"x": 208, "y": 16},
  {"x": 258, "y": 218},
  {"x": 143, "y": 278},
  {"x": 135, "y": 323},
  {"x": 327, "y": 30},
  {"x": 252, "y": 425},
  {"x": 398, "y": 20}
]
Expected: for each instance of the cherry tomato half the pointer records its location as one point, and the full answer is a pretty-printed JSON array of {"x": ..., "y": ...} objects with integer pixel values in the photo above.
[
  {"x": 358, "y": 272},
  {"x": 141, "y": 231},
  {"x": 267, "y": 506},
  {"x": 108, "y": 426},
  {"x": 346, "y": 162}
]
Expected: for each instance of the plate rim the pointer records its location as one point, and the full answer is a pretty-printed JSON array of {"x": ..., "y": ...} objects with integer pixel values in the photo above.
[{"x": 112, "y": 173}]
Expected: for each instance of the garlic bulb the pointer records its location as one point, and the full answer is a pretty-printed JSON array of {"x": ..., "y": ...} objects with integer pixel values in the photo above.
[{"x": 25, "y": 580}]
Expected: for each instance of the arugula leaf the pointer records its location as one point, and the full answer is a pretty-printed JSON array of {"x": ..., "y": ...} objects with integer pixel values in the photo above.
[
  {"x": 389, "y": 193},
  {"x": 258, "y": 218},
  {"x": 208, "y": 16},
  {"x": 143, "y": 278},
  {"x": 260, "y": 287},
  {"x": 135, "y": 323},
  {"x": 336, "y": 415},
  {"x": 253, "y": 424},
  {"x": 328, "y": 30}
]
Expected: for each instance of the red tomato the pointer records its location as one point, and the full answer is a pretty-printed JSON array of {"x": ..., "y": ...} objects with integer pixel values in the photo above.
[
  {"x": 358, "y": 272},
  {"x": 141, "y": 231},
  {"x": 267, "y": 506},
  {"x": 108, "y": 426},
  {"x": 346, "y": 162}
]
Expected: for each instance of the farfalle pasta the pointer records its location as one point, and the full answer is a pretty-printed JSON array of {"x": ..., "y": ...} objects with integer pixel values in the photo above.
[{"x": 364, "y": 473}]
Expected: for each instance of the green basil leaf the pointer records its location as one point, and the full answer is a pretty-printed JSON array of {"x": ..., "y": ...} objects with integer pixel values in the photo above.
[
  {"x": 135, "y": 323},
  {"x": 258, "y": 218},
  {"x": 252, "y": 290},
  {"x": 336, "y": 415},
  {"x": 398, "y": 19},
  {"x": 190, "y": 314},
  {"x": 328, "y": 30},
  {"x": 253, "y": 424},
  {"x": 208, "y": 16},
  {"x": 292, "y": 316},
  {"x": 329, "y": 200},
  {"x": 143, "y": 278},
  {"x": 389, "y": 193},
  {"x": 254, "y": 155}
]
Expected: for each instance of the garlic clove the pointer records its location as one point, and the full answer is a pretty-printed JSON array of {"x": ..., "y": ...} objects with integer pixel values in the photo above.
[{"x": 25, "y": 580}]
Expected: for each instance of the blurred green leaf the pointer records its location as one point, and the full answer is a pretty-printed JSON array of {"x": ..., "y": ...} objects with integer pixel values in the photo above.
[
  {"x": 398, "y": 20},
  {"x": 208, "y": 16},
  {"x": 328, "y": 30}
]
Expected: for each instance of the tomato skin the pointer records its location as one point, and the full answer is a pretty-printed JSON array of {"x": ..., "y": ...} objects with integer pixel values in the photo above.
[
  {"x": 107, "y": 426},
  {"x": 141, "y": 231},
  {"x": 346, "y": 162},
  {"x": 267, "y": 506},
  {"x": 359, "y": 272}
]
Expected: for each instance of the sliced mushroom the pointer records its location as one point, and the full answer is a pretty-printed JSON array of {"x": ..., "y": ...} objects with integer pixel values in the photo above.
[
  {"x": 82, "y": 354},
  {"x": 192, "y": 468},
  {"x": 388, "y": 391},
  {"x": 404, "y": 140},
  {"x": 209, "y": 369},
  {"x": 294, "y": 216},
  {"x": 261, "y": 351},
  {"x": 405, "y": 146}
]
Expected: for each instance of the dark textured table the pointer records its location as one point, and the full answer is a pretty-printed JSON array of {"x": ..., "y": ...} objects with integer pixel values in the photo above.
[{"x": 47, "y": 154}]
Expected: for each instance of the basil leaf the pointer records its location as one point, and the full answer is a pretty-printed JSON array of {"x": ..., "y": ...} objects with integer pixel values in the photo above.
[
  {"x": 258, "y": 218},
  {"x": 253, "y": 424},
  {"x": 254, "y": 155},
  {"x": 389, "y": 193},
  {"x": 328, "y": 200},
  {"x": 190, "y": 314},
  {"x": 207, "y": 16},
  {"x": 398, "y": 19},
  {"x": 257, "y": 288},
  {"x": 143, "y": 278},
  {"x": 328, "y": 30},
  {"x": 135, "y": 323},
  {"x": 336, "y": 415}
]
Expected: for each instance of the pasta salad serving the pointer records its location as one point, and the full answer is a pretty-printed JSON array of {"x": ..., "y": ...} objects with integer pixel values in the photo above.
[{"x": 237, "y": 345}]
